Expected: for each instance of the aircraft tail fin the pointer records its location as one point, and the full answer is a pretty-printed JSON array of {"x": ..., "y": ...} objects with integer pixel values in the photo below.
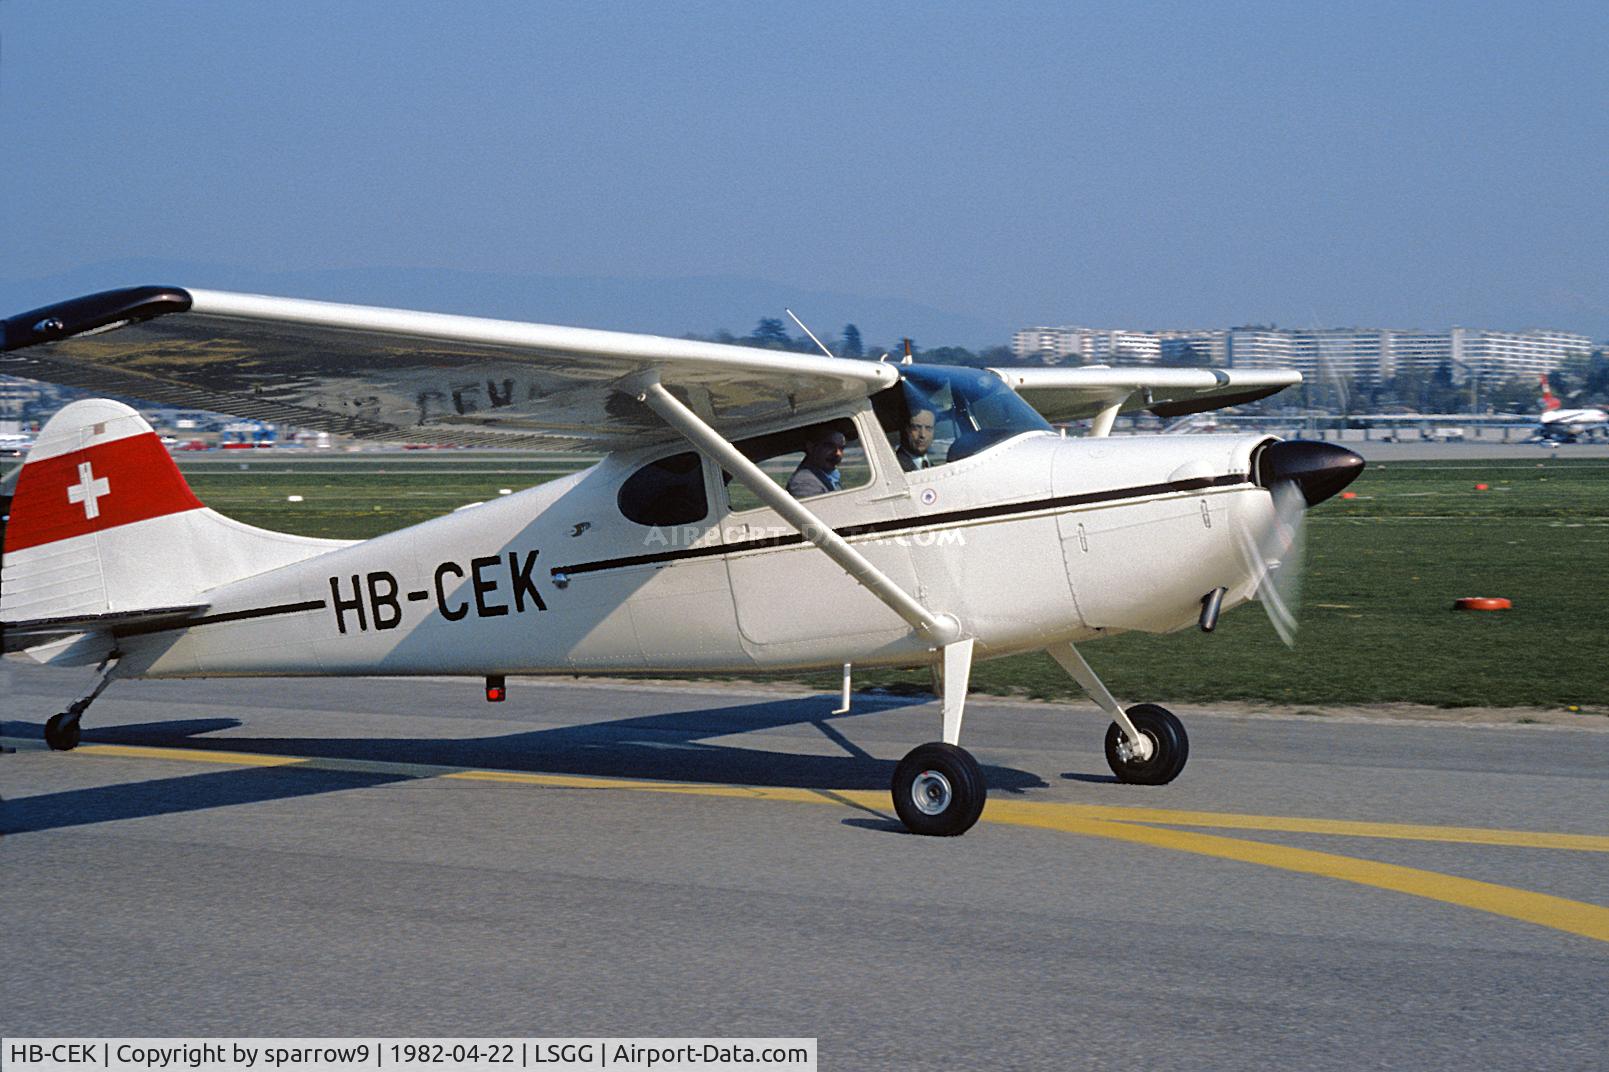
[
  {"x": 102, "y": 523},
  {"x": 1550, "y": 401}
]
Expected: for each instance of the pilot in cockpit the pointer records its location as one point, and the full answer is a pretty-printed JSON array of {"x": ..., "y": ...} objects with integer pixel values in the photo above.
[
  {"x": 915, "y": 439},
  {"x": 818, "y": 473}
]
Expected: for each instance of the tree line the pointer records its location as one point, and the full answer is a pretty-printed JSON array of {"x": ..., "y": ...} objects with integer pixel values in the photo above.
[{"x": 772, "y": 334}]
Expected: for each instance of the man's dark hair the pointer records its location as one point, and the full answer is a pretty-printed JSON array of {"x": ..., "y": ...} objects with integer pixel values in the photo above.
[{"x": 817, "y": 432}]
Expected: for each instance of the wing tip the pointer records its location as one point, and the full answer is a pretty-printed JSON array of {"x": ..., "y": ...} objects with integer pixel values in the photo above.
[
  {"x": 1210, "y": 402},
  {"x": 92, "y": 312}
]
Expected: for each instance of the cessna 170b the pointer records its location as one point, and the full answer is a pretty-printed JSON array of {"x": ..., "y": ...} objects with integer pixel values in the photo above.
[{"x": 935, "y": 517}]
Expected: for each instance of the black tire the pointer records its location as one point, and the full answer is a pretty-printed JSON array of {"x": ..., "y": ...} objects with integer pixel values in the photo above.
[
  {"x": 939, "y": 790},
  {"x": 1170, "y": 747},
  {"x": 61, "y": 734}
]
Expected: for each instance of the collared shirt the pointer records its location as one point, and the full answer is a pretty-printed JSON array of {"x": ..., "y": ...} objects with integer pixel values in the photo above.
[
  {"x": 911, "y": 462},
  {"x": 807, "y": 480}
]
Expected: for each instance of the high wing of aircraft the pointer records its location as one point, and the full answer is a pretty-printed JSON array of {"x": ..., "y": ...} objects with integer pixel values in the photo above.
[
  {"x": 931, "y": 517},
  {"x": 400, "y": 375}
]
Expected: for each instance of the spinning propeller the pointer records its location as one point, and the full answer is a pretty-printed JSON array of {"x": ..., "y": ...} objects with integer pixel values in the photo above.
[{"x": 1298, "y": 474}]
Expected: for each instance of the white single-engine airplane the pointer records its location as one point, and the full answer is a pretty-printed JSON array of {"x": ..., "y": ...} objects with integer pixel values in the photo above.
[{"x": 949, "y": 521}]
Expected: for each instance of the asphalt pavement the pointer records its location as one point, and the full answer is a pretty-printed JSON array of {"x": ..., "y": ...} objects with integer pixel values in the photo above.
[{"x": 362, "y": 857}]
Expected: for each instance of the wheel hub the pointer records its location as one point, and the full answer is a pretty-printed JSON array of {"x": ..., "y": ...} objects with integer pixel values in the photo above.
[
  {"x": 931, "y": 793},
  {"x": 1137, "y": 751}
]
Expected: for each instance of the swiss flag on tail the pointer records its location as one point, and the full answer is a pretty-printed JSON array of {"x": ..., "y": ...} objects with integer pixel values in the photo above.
[
  {"x": 96, "y": 466},
  {"x": 103, "y": 524}
]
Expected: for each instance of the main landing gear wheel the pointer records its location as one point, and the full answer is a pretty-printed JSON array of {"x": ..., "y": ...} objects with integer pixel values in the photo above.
[
  {"x": 939, "y": 790},
  {"x": 1170, "y": 747},
  {"x": 62, "y": 734}
]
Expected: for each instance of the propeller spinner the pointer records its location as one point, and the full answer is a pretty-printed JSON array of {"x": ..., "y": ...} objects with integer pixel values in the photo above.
[
  {"x": 1299, "y": 474},
  {"x": 1319, "y": 470}
]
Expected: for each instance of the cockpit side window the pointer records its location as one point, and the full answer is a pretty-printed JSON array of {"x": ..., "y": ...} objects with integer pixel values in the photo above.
[
  {"x": 669, "y": 491},
  {"x": 785, "y": 457}
]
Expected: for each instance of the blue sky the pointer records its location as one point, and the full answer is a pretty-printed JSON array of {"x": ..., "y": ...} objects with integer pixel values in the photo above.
[{"x": 1142, "y": 165}]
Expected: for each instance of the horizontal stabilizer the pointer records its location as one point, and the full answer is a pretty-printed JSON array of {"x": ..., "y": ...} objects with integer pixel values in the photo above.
[{"x": 16, "y": 636}]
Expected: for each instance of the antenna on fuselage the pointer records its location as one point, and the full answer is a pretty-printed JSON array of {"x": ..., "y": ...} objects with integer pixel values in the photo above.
[
  {"x": 808, "y": 332},
  {"x": 907, "y": 359}
]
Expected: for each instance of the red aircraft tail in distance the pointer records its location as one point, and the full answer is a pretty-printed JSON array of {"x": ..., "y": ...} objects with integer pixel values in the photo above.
[{"x": 1550, "y": 401}]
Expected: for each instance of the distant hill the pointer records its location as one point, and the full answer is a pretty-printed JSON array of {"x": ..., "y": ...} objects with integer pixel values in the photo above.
[{"x": 699, "y": 304}]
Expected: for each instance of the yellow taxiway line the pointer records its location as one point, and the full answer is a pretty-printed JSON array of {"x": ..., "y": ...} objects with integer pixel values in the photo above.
[
  {"x": 1142, "y": 826},
  {"x": 1574, "y": 917}
]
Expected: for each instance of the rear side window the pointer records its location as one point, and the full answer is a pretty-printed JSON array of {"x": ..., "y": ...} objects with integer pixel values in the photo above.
[
  {"x": 669, "y": 491},
  {"x": 781, "y": 454}
]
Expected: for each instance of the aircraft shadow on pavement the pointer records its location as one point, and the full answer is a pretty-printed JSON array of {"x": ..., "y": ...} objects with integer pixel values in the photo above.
[
  {"x": 661, "y": 747},
  {"x": 1097, "y": 779}
]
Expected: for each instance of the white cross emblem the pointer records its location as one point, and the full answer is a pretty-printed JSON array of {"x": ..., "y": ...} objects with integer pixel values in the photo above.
[{"x": 88, "y": 489}]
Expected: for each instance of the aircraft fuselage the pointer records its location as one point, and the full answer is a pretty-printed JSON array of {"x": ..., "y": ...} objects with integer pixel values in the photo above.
[{"x": 1035, "y": 541}]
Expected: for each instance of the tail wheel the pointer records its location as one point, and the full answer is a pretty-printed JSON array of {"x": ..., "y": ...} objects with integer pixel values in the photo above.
[
  {"x": 1170, "y": 747},
  {"x": 939, "y": 790},
  {"x": 61, "y": 734}
]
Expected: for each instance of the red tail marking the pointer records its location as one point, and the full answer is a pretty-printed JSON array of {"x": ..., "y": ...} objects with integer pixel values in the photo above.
[{"x": 96, "y": 489}]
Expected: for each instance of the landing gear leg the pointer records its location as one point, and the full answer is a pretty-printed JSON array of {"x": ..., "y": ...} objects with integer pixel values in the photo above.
[
  {"x": 62, "y": 731},
  {"x": 1146, "y": 744},
  {"x": 939, "y": 788}
]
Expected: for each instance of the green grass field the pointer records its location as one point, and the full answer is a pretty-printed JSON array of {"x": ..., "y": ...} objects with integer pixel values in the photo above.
[
  {"x": 1383, "y": 570},
  {"x": 356, "y": 496}
]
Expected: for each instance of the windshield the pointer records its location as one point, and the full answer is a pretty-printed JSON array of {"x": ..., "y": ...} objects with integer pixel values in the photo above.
[{"x": 952, "y": 412}]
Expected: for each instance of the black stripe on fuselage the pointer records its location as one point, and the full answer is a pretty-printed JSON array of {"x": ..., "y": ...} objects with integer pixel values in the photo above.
[
  {"x": 953, "y": 517},
  {"x": 899, "y": 524},
  {"x": 216, "y": 619}
]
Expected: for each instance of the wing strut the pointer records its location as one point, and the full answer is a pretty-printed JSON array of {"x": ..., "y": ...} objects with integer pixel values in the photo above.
[
  {"x": 1102, "y": 424},
  {"x": 938, "y": 629}
]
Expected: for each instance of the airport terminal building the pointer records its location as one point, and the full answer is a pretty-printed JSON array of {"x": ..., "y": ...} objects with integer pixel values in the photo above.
[{"x": 1364, "y": 356}]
